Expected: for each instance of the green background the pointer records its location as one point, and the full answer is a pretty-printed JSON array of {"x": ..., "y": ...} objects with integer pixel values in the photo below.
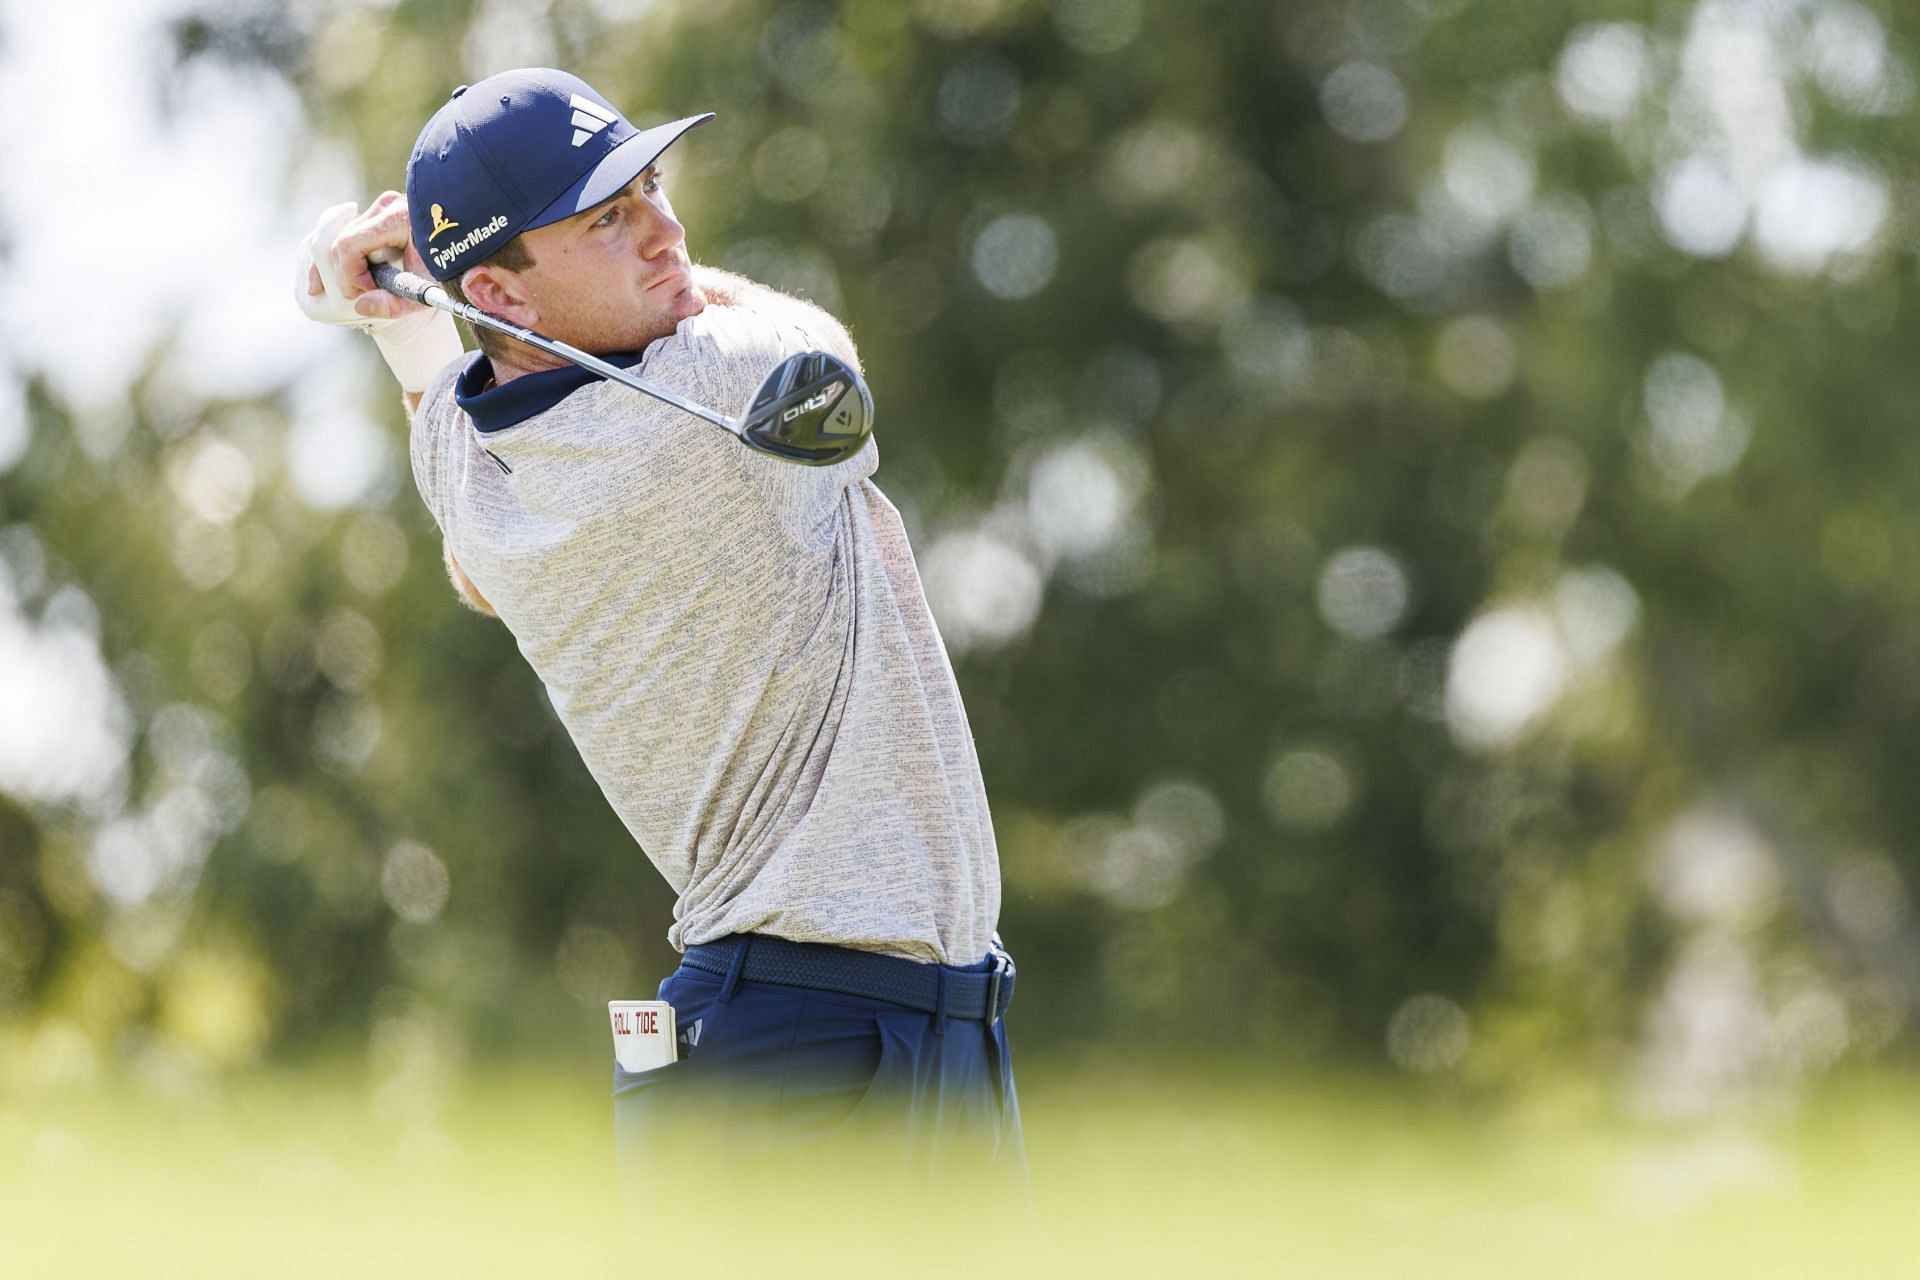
[{"x": 1416, "y": 493}]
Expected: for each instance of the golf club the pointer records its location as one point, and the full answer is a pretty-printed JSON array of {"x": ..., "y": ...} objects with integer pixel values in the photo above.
[{"x": 812, "y": 409}]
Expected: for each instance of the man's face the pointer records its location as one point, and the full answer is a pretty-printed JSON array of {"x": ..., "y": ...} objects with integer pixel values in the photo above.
[{"x": 615, "y": 277}]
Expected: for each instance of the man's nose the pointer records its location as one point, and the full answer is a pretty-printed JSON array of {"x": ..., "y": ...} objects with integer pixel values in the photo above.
[{"x": 659, "y": 231}]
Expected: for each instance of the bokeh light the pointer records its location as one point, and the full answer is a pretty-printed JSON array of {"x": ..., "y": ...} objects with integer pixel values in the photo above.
[
  {"x": 1364, "y": 101},
  {"x": 1014, "y": 256}
]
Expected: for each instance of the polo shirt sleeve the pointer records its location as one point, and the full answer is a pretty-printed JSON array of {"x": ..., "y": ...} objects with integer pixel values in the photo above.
[
  {"x": 428, "y": 437},
  {"x": 727, "y": 352}
]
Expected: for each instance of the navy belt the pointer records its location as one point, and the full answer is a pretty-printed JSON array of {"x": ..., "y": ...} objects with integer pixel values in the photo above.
[{"x": 942, "y": 990}]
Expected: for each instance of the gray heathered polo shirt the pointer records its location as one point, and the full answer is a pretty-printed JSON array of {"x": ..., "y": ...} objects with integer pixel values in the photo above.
[{"x": 739, "y": 646}]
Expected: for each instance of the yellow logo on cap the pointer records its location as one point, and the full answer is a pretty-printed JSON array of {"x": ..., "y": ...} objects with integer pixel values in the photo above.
[{"x": 440, "y": 222}]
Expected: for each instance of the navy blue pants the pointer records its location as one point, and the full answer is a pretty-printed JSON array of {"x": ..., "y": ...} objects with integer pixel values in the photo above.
[{"x": 773, "y": 1067}]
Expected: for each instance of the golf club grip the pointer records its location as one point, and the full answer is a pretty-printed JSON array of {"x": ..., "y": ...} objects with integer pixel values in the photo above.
[{"x": 401, "y": 283}]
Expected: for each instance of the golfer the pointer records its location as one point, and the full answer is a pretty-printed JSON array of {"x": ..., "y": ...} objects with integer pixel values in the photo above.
[{"x": 738, "y": 645}]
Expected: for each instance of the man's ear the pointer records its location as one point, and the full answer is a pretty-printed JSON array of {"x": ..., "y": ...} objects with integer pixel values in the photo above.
[{"x": 499, "y": 293}]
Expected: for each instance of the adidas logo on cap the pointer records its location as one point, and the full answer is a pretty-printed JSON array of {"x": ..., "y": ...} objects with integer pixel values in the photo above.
[{"x": 589, "y": 118}]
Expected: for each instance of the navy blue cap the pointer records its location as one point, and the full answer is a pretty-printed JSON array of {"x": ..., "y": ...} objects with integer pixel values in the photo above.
[{"x": 517, "y": 151}]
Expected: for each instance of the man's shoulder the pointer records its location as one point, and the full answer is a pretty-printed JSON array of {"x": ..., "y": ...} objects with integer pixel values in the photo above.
[
  {"x": 720, "y": 356},
  {"x": 719, "y": 330}
]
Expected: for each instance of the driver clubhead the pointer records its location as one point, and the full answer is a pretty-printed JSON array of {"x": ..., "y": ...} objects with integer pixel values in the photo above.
[{"x": 812, "y": 409}]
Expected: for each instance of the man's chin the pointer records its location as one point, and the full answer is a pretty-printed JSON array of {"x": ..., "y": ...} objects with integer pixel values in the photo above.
[{"x": 661, "y": 323}]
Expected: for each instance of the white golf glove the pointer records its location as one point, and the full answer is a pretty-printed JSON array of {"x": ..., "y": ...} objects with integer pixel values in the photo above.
[{"x": 416, "y": 346}]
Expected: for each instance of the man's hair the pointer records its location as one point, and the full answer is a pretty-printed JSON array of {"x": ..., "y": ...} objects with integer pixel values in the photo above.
[{"x": 511, "y": 256}]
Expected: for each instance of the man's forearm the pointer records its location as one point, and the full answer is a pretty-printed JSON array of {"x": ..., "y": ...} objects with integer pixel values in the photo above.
[{"x": 462, "y": 584}]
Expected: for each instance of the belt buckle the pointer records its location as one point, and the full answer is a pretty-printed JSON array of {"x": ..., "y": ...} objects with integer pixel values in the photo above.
[{"x": 1002, "y": 969}]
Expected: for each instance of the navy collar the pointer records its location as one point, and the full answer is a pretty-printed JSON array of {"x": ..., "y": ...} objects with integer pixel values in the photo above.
[{"x": 497, "y": 408}]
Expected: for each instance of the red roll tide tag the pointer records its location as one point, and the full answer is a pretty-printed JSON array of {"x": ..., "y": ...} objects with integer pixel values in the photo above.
[{"x": 642, "y": 1033}]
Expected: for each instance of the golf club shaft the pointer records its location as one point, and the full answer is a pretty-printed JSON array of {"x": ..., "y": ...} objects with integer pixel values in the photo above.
[{"x": 405, "y": 284}]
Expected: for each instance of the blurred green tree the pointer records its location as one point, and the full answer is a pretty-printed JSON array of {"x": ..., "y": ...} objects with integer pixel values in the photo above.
[{"x": 1413, "y": 490}]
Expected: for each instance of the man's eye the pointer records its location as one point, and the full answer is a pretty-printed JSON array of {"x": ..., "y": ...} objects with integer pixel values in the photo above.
[
  {"x": 653, "y": 183},
  {"x": 606, "y": 219}
]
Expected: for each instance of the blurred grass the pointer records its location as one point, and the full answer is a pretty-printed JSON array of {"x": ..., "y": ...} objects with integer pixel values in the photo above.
[{"x": 314, "y": 1174}]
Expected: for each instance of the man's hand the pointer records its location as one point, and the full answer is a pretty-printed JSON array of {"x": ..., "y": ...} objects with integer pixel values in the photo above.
[{"x": 334, "y": 285}]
